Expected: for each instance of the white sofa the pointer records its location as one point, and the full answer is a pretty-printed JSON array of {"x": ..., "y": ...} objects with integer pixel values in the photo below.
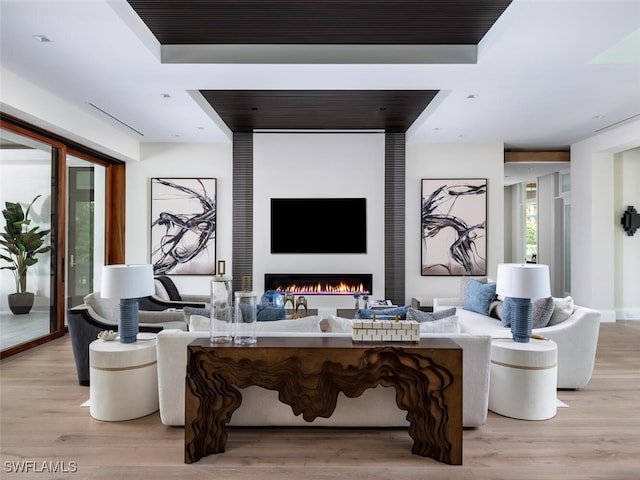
[
  {"x": 374, "y": 408},
  {"x": 576, "y": 337}
]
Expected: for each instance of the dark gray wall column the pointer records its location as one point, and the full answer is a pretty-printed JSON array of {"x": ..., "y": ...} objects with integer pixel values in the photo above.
[
  {"x": 242, "y": 242},
  {"x": 394, "y": 213}
]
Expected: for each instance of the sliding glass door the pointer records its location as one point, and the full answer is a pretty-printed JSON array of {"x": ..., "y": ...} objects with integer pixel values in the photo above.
[
  {"x": 85, "y": 227},
  {"x": 29, "y": 201}
]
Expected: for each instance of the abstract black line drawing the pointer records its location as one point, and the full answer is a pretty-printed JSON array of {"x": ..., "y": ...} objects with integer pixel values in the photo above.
[
  {"x": 453, "y": 227},
  {"x": 183, "y": 226}
]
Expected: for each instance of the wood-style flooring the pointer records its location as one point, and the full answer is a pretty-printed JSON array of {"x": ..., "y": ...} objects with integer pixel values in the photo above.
[{"x": 596, "y": 437}]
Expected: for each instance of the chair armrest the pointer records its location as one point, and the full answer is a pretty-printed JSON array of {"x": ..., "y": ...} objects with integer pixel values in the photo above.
[
  {"x": 445, "y": 302},
  {"x": 156, "y": 303},
  {"x": 196, "y": 298}
]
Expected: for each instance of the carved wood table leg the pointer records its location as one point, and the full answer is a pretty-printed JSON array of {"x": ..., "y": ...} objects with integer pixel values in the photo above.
[{"x": 309, "y": 373}]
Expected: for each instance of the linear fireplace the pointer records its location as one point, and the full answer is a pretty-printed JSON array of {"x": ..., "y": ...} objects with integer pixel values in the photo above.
[{"x": 319, "y": 283}]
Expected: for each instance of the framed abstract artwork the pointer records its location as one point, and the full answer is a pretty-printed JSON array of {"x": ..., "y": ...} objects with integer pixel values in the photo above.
[
  {"x": 183, "y": 226},
  {"x": 453, "y": 223}
]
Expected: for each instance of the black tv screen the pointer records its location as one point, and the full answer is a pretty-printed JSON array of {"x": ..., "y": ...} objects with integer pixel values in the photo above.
[{"x": 318, "y": 225}]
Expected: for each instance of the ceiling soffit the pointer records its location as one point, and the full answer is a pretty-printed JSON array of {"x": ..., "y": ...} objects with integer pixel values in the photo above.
[
  {"x": 390, "y": 110},
  {"x": 294, "y": 31}
]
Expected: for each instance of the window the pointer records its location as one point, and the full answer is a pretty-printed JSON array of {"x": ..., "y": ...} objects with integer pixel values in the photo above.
[{"x": 531, "y": 222}]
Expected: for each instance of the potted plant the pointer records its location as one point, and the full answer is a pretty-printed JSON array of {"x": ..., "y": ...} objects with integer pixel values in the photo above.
[{"x": 22, "y": 244}]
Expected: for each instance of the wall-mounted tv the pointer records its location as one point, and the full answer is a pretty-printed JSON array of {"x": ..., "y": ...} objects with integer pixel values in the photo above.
[{"x": 318, "y": 225}]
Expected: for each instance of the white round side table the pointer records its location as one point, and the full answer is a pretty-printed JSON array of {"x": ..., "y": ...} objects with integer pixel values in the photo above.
[
  {"x": 524, "y": 378},
  {"x": 124, "y": 378}
]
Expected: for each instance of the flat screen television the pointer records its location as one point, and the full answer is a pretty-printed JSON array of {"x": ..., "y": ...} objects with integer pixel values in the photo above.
[{"x": 318, "y": 225}]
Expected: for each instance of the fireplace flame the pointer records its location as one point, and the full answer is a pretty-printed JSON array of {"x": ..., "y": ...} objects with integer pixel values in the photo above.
[{"x": 341, "y": 288}]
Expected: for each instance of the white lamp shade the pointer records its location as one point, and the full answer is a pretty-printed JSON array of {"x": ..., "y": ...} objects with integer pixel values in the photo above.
[
  {"x": 527, "y": 280},
  {"x": 127, "y": 281}
]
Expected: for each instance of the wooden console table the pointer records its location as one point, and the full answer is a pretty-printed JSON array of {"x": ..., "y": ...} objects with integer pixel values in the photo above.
[{"x": 309, "y": 372}]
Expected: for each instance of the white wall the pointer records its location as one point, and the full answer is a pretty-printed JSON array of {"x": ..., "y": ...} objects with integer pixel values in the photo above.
[
  {"x": 593, "y": 223},
  {"x": 174, "y": 160},
  {"x": 23, "y": 99},
  {"x": 319, "y": 165},
  {"x": 627, "y": 248},
  {"x": 452, "y": 161}
]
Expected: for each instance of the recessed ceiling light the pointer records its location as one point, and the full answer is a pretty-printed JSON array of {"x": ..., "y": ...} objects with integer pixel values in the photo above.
[
  {"x": 472, "y": 95},
  {"x": 436, "y": 128},
  {"x": 382, "y": 109},
  {"x": 175, "y": 135},
  {"x": 41, "y": 38},
  {"x": 199, "y": 128},
  {"x": 597, "y": 117},
  {"x": 165, "y": 95},
  {"x": 254, "y": 108}
]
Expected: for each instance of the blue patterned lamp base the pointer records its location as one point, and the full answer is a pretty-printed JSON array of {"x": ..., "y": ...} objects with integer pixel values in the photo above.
[
  {"x": 128, "y": 320},
  {"x": 521, "y": 320}
]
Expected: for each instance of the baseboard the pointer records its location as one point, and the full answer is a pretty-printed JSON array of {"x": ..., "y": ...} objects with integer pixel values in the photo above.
[{"x": 628, "y": 313}]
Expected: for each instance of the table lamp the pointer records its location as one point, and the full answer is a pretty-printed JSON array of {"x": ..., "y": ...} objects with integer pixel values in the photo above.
[
  {"x": 127, "y": 283},
  {"x": 522, "y": 282}
]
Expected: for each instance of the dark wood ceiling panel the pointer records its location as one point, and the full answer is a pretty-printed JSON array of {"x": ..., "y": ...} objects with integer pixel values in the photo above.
[
  {"x": 390, "y": 110},
  {"x": 317, "y": 22}
]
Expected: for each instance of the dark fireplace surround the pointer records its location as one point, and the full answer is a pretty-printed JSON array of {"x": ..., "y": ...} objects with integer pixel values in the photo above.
[{"x": 319, "y": 283}]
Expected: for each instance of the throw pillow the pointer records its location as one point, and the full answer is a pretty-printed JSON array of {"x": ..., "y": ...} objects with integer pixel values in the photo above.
[
  {"x": 420, "y": 316},
  {"x": 169, "y": 287},
  {"x": 479, "y": 296},
  {"x": 339, "y": 325},
  {"x": 444, "y": 325},
  {"x": 464, "y": 284},
  {"x": 563, "y": 308},
  {"x": 541, "y": 311},
  {"x": 199, "y": 323},
  {"x": 270, "y": 314},
  {"x": 368, "y": 313},
  {"x": 506, "y": 311},
  {"x": 188, "y": 311}
]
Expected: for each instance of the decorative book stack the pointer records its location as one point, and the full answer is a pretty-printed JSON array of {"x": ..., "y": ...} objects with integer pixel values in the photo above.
[{"x": 385, "y": 330}]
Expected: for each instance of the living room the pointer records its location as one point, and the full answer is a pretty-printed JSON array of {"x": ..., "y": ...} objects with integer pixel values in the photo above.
[{"x": 604, "y": 168}]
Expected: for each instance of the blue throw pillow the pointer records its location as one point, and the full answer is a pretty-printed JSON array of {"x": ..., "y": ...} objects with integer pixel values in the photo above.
[
  {"x": 507, "y": 311},
  {"x": 368, "y": 313},
  {"x": 479, "y": 296},
  {"x": 271, "y": 314},
  {"x": 420, "y": 316}
]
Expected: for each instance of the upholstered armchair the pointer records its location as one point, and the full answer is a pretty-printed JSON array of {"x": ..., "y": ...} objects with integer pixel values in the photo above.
[{"x": 96, "y": 314}]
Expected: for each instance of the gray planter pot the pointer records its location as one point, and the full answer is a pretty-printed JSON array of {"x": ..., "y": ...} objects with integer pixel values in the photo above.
[{"x": 21, "y": 303}]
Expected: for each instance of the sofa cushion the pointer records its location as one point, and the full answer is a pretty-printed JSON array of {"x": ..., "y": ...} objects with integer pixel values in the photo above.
[
  {"x": 541, "y": 311},
  {"x": 563, "y": 308},
  {"x": 443, "y": 325},
  {"x": 479, "y": 296},
  {"x": 368, "y": 313},
  {"x": 305, "y": 324},
  {"x": 420, "y": 316},
  {"x": 311, "y": 324},
  {"x": 478, "y": 324}
]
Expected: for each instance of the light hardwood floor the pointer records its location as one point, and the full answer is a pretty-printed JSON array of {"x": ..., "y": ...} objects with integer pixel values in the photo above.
[{"x": 596, "y": 437}]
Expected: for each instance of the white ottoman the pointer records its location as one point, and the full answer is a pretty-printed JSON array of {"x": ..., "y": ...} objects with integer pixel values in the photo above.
[
  {"x": 524, "y": 379},
  {"x": 124, "y": 378}
]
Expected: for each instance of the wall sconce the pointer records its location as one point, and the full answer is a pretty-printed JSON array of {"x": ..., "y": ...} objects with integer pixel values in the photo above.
[{"x": 630, "y": 220}]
